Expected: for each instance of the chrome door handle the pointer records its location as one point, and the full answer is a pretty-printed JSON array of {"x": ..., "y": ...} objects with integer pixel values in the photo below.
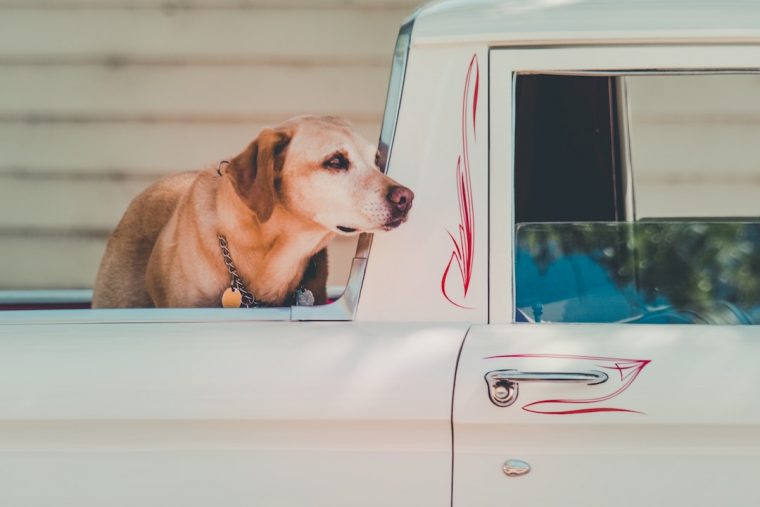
[{"x": 503, "y": 385}]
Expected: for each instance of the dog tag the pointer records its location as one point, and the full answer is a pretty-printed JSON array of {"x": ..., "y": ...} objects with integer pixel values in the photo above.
[
  {"x": 231, "y": 298},
  {"x": 304, "y": 297}
]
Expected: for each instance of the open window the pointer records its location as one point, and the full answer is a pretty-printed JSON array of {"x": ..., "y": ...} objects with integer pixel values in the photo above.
[
  {"x": 59, "y": 212},
  {"x": 637, "y": 197}
]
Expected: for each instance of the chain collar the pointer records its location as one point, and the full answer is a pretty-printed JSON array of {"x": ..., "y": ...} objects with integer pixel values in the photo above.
[
  {"x": 247, "y": 299},
  {"x": 301, "y": 297}
]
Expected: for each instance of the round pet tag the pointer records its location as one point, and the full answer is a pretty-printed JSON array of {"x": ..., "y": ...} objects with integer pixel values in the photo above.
[{"x": 231, "y": 298}]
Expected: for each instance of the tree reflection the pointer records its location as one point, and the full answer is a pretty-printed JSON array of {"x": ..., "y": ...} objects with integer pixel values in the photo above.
[{"x": 683, "y": 264}]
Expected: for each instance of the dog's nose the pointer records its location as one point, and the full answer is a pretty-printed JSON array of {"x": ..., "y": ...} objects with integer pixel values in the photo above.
[{"x": 401, "y": 198}]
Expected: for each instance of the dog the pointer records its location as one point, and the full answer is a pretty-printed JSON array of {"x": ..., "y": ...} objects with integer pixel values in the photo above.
[{"x": 273, "y": 208}]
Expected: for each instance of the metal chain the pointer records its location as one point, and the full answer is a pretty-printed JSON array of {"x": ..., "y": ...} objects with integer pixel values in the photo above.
[{"x": 247, "y": 300}]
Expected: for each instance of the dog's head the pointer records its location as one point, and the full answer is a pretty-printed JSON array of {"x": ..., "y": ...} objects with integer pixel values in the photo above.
[{"x": 319, "y": 169}]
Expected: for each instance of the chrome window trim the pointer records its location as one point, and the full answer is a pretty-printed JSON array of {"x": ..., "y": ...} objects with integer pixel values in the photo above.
[
  {"x": 625, "y": 147},
  {"x": 626, "y": 154},
  {"x": 143, "y": 315}
]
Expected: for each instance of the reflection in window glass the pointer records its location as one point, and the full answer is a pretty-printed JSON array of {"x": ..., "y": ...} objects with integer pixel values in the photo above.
[
  {"x": 645, "y": 272},
  {"x": 636, "y": 197}
]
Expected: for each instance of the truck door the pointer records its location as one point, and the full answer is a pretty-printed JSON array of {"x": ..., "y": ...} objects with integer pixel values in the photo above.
[
  {"x": 676, "y": 420},
  {"x": 618, "y": 368}
]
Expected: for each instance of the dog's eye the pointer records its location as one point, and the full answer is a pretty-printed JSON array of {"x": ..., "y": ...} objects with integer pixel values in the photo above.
[{"x": 337, "y": 161}]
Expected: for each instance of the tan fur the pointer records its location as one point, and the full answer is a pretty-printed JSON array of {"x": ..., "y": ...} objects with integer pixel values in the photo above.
[{"x": 278, "y": 205}]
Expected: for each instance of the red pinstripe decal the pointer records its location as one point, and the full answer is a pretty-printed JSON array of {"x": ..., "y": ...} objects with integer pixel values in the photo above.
[
  {"x": 464, "y": 245},
  {"x": 627, "y": 371}
]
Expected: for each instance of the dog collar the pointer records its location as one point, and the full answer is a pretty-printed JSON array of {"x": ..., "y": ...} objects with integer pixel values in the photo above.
[
  {"x": 237, "y": 294},
  {"x": 220, "y": 165}
]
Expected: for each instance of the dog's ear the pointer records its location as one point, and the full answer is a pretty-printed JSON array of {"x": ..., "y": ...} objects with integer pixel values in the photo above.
[{"x": 255, "y": 173}]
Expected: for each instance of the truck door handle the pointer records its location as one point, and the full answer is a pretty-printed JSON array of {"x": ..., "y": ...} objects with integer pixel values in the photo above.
[{"x": 503, "y": 385}]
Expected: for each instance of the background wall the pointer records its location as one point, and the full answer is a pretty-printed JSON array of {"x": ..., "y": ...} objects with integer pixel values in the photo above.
[
  {"x": 695, "y": 144},
  {"x": 98, "y": 98}
]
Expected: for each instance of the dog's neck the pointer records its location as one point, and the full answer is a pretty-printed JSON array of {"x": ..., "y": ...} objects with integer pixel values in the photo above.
[{"x": 272, "y": 256}]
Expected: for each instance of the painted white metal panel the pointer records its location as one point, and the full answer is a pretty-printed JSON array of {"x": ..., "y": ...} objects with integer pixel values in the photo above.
[
  {"x": 562, "y": 21},
  {"x": 662, "y": 429},
  {"x": 682, "y": 429},
  {"x": 232, "y": 413},
  {"x": 406, "y": 274}
]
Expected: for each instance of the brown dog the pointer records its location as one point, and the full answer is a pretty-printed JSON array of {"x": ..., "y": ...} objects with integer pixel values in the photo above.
[{"x": 278, "y": 204}]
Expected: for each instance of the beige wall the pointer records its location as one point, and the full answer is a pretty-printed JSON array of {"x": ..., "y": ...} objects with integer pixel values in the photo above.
[
  {"x": 100, "y": 97},
  {"x": 695, "y": 142}
]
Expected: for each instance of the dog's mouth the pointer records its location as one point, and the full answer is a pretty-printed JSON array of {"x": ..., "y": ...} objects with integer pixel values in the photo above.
[{"x": 393, "y": 223}]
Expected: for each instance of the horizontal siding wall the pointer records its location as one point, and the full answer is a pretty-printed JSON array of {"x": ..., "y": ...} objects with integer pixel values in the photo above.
[
  {"x": 98, "y": 98},
  {"x": 695, "y": 143}
]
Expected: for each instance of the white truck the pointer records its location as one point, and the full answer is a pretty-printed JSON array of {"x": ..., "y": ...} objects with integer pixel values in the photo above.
[{"x": 486, "y": 353}]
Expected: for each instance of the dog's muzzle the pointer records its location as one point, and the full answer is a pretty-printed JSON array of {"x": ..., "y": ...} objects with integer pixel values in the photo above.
[{"x": 400, "y": 202}]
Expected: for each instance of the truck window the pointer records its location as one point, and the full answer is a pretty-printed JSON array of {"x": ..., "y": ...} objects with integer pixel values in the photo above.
[
  {"x": 636, "y": 198},
  {"x": 70, "y": 172},
  {"x": 567, "y": 163}
]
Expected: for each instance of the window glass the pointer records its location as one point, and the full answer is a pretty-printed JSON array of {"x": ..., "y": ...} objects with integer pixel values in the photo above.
[
  {"x": 566, "y": 167},
  {"x": 636, "y": 198},
  {"x": 639, "y": 272}
]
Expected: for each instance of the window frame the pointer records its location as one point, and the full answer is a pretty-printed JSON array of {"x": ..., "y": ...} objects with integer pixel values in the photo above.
[
  {"x": 505, "y": 63},
  {"x": 342, "y": 309}
]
